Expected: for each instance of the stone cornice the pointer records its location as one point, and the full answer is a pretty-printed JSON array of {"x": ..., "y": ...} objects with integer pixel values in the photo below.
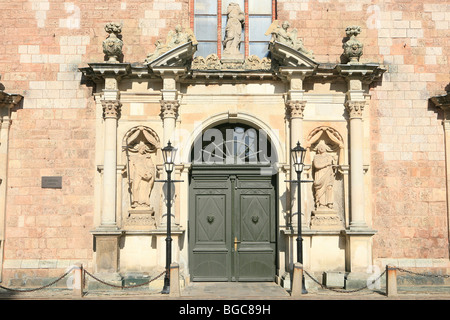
[
  {"x": 99, "y": 71},
  {"x": 442, "y": 101},
  {"x": 367, "y": 73},
  {"x": 9, "y": 100}
]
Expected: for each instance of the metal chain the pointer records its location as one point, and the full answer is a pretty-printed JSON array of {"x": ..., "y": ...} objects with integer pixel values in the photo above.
[
  {"x": 423, "y": 274},
  {"x": 340, "y": 290},
  {"x": 40, "y": 288},
  {"x": 122, "y": 286}
]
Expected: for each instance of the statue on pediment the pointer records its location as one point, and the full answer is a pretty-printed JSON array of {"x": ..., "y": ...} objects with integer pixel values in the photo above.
[
  {"x": 287, "y": 37},
  {"x": 175, "y": 38},
  {"x": 233, "y": 32}
]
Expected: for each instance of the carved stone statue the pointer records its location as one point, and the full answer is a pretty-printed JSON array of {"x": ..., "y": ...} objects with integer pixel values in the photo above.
[
  {"x": 287, "y": 37},
  {"x": 112, "y": 46},
  {"x": 353, "y": 48},
  {"x": 174, "y": 39},
  {"x": 233, "y": 32},
  {"x": 140, "y": 143},
  {"x": 142, "y": 175},
  {"x": 324, "y": 176}
]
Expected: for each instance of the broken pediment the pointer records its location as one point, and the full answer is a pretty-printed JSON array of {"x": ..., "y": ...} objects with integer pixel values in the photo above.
[
  {"x": 289, "y": 57},
  {"x": 177, "y": 57}
]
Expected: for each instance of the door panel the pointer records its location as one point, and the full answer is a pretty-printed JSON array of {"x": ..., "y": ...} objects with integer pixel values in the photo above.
[
  {"x": 255, "y": 217},
  {"x": 209, "y": 225},
  {"x": 232, "y": 230}
]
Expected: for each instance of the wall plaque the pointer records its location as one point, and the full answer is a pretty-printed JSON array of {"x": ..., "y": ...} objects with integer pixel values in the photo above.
[{"x": 51, "y": 182}]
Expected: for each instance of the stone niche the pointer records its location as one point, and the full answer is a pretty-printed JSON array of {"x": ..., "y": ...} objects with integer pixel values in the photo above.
[
  {"x": 326, "y": 148},
  {"x": 140, "y": 198}
]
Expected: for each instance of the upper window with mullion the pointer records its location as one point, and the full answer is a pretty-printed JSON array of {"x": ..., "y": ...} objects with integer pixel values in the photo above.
[
  {"x": 208, "y": 18},
  {"x": 259, "y": 21},
  {"x": 205, "y": 26}
]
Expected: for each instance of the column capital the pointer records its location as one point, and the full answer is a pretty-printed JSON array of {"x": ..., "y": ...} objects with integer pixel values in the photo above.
[
  {"x": 355, "y": 109},
  {"x": 295, "y": 108},
  {"x": 169, "y": 109},
  {"x": 111, "y": 108}
]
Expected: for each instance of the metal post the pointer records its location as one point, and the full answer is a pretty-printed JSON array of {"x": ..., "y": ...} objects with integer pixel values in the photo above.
[
  {"x": 299, "y": 228},
  {"x": 166, "y": 288}
]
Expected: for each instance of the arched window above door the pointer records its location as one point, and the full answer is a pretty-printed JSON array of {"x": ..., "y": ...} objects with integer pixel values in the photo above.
[{"x": 231, "y": 144}]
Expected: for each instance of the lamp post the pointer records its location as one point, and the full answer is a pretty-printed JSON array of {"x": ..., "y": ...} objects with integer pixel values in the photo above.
[
  {"x": 298, "y": 156},
  {"x": 169, "y": 153}
]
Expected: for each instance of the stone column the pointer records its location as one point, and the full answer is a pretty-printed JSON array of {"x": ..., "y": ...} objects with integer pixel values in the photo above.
[
  {"x": 111, "y": 110},
  {"x": 107, "y": 235},
  {"x": 295, "y": 110},
  {"x": 7, "y": 102},
  {"x": 355, "y": 110}
]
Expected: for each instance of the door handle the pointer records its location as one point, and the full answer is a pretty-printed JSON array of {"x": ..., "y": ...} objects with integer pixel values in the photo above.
[{"x": 236, "y": 243}]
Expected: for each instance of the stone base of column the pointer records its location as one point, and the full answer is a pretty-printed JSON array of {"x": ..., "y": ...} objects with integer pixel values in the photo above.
[
  {"x": 358, "y": 250},
  {"x": 106, "y": 244}
]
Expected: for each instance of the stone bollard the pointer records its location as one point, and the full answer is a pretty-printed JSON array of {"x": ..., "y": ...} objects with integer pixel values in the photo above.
[
  {"x": 174, "y": 280},
  {"x": 297, "y": 280},
  {"x": 78, "y": 281},
  {"x": 391, "y": 281}
]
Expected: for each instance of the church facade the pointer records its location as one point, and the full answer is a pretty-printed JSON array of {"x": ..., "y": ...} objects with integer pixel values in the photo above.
[{"x": 92, "y": 93}]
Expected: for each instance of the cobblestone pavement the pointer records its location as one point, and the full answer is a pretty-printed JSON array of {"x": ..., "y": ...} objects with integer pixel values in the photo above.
[{"x": 231, "y": 291}]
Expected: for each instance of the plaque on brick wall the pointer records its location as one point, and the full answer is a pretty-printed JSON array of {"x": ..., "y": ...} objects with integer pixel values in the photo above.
[{"x": 51, "y": 182}]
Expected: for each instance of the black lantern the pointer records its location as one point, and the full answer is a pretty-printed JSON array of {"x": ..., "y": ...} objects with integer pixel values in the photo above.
[
  {"x": 169, "y": 153},
  {"x": 298, "y": 156}
]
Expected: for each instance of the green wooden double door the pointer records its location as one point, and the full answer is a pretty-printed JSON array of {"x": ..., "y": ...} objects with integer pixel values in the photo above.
[{"x": 232, "y": 225}]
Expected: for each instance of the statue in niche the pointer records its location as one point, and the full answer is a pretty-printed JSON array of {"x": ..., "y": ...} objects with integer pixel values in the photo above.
[
  {"x": 141, "y": 144},
  {"x": 142, "y": 175},
  {"x": 324, "y": 164},
  {"x": 233, "y": 32},
  {"x": 287, "y": 37}
]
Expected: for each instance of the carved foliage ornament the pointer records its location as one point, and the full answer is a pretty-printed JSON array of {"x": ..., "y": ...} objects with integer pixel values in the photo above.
[
  {"x": 212, "y": 62},
  {"x": 295, "y": 108},
  {"x": 355, "y": 108},
  {"x": 169, "y": 109},
  {"x": 111, "y": 108}
]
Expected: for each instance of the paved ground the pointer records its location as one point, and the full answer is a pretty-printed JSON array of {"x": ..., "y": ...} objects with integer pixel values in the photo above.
[{"x": 232, "y": 291}]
